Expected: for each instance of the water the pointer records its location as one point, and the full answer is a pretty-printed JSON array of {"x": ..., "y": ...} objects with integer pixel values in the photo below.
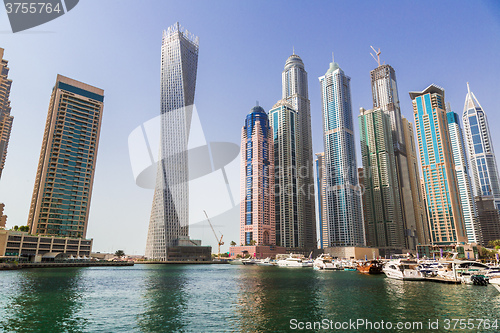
[{"x": 225, "y": 298}]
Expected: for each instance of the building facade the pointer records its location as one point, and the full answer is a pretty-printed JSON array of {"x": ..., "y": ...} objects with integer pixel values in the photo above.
[
  {"x": 289, "y": 219},
  {"x": 419, "y": 208},
  {"x": 488, "y": 219},
  {"x": 169, "y": 218},
  {"x": 257, "y": 220},
  {"x": 295, "y": 91},
  {"x": 462, "y": 171},
  {"x": 480, "y": 146},
  {"x": 5, "y": 118},
  {"x": 382, "y": 205},
  {"x": 22, "y": 244},
  {"x": 385, "y": 96},
  {"x": 321, "y": 200},
  {"x": 342, "y": 192},
  {"x": 446, "y": 222},
  {"x": 63, "y": 185}
]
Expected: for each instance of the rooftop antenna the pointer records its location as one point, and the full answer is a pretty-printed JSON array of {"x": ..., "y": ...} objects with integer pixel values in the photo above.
[
  {"x": 257, "y": 103},
  {"x": 377, "y": 59},
  {"x": 333, "y": 58},
  {"x": 293, "y": 48},
  {"x": 468, "y": 89}
]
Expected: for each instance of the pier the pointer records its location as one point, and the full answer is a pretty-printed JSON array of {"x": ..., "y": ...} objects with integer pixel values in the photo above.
[{"x": 9, "y": 266}]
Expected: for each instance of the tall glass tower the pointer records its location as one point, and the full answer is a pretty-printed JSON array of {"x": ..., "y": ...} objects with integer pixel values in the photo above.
[
  {"x": 295, "y": 92},
  {"x": 343, "y": 197},
  {"x": 63, "y": 185},
  {"x": 170, "y": 210},
  {"x": 385, "y": 96},
  {"x": 257, "y": 222},
  {"x": 289, "y": 218},
  {"x": 446, "y": 222},
  {"x": 5, "y": 117},
  {"x": 482, "y": 157},
  {"x": 462, "y": 170},
  {"x": 381, "y": 202}
]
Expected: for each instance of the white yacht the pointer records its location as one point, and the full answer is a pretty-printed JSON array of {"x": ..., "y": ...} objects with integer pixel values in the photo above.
[
  {"x": 495, "y": 282},
  {"x": 294, "y": 262},
  {"x": 265, "y": 262},
  {"x": 324, "y": 263},
  {"x": 403, "y": 270}
]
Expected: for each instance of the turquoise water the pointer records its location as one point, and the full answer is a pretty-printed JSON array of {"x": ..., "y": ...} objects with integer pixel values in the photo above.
[{"x": 226, "y": 298}]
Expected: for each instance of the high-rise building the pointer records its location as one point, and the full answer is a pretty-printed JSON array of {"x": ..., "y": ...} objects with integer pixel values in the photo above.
[
  {"x": 288, "y": 200},
  {"x": 482, "y": 157},
  {"x": 343, "y": 196},
  {"x": 385, "y": 96},
  {"x": 381, "y": 202},
  {"x": 169, "y": 221},
  {"x": 446, "y": 220},
  {"x": 321, "y": 197},
  {"x": 488, "y": 219},
  {"x": 462, "y": 171},
  {"x": 257, "y": 222},
  {"x": 63, "y": 185},
  {"x": 419, "y": 210},
  {"x": 295, "y": 92},
  {"x": 5, "y": 117}
]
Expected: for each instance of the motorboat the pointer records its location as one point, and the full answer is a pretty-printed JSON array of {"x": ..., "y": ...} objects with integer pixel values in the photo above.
[
  {"x": 495, "y": 282},
  {"x": 292, "y": 261},
  {"x": 403, "y": 270},
  {"x": 265, "y": 262},
  {"x": 324, "y": 262},
  {"x": 370, "y": 267}
]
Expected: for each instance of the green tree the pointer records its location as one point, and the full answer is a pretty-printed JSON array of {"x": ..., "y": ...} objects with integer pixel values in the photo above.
[
  {"x": 494, "y": 243},
  {"x": 253, "y": 242},
  {"x": 16, "y": 228},
  {"x": 119, "y": 253},
  {"x": 233, "y": 243}
]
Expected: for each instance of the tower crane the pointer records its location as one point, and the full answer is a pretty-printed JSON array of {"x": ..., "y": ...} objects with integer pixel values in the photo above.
[{"x": 219, "y": 241}]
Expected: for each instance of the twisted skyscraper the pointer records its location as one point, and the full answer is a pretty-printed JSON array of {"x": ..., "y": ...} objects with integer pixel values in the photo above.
[
  {"x": 170, "y": 211},
  {"x": 5, "y": 117}
]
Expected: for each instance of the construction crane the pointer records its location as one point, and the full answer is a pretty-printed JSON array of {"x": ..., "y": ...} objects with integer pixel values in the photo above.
[{"x": 219, "y": 241}]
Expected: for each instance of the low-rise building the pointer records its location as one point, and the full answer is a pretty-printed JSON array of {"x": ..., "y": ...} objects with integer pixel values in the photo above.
[{"x": 23, "y": 244}]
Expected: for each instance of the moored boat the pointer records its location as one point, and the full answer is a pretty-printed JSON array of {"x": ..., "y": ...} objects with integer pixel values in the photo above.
[
  {"x": 370, "y": 267},
  {"x": 403, "y": 270}
]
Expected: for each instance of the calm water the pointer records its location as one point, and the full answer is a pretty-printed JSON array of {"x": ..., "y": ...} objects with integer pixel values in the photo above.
[{"x": 223, "y": 298}]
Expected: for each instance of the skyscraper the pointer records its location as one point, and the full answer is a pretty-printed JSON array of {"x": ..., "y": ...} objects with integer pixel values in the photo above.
[
  {"x": 257, "y": 222},
  {"x": 383, "y": 215},
  {"x": 289, "y": 217},
  {"x": 321, "y": 197},
  {"x": 443, "y": 201},
  {"x": 5, "y": 117},
  {"x": 462, "y": 171},
  {"x": 385, "y": 96},
  {"x": 343, "y": 197},
  {"x": 482, "y": 157},
  {"x": 419, "y": 207},
  {"x": 295, "y": 92},
  {"x": 169, "y": 219},
  {"x": 65, "y": 176}
]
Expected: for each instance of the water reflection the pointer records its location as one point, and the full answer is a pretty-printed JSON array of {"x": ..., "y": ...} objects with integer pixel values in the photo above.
[
  {"x": 269, "y": 297},
  {"x": 164, "y": 299},
  {"x": 45, "y": 300}
]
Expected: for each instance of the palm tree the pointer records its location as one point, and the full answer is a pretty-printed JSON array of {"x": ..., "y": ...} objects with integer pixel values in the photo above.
[
  {"x": 233, "y": 243},
  {"x": 119, "y": 253}
]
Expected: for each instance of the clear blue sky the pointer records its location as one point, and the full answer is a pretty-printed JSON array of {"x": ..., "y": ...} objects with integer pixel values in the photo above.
[{"x": 115, "y": 45}]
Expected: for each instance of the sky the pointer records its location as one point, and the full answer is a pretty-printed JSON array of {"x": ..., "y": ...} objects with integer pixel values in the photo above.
[{"x": 115, "y": 45}]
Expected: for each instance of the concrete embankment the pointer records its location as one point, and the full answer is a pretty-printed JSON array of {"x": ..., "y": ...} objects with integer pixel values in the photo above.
[{"x": 9, "y": 266}]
